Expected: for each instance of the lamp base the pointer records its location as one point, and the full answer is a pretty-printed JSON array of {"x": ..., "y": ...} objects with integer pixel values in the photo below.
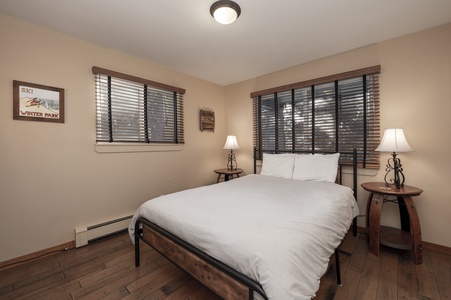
[
  {"x": 231, "y": 161},
  {"x": 394, "y": 164}
]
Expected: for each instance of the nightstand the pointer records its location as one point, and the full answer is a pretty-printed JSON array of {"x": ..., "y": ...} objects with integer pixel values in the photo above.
[
  {"x": 228, "y": 174},
  {"x": 409, "y": 236}
]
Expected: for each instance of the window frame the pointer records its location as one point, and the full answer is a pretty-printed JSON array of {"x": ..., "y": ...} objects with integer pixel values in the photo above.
[
  {"x": 141, "y": 93},
  {"x": 367, "y": 157}
]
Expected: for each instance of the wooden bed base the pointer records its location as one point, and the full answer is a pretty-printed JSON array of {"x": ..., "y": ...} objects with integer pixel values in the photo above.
[{"x": 220, "y": 278}]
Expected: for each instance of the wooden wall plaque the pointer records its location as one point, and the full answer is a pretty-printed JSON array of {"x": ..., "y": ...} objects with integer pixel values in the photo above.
[{"x": 207, "y": 120}]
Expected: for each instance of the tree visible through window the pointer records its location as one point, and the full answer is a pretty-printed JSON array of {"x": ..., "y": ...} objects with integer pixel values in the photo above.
[
  {"x": 337, "y": 113},
  {"x": 132, "y": 109}
]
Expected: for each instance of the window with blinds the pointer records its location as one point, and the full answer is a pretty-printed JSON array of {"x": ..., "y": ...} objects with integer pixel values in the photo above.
[
  {"x": 132, "y": 109},
  {"x": 336, "y": 113}
]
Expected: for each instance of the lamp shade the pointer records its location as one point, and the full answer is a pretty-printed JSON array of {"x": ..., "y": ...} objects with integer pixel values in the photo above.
[
  {"x": 225, "y": 11},
  {"x": 231, "y": 143},
  {"x": 394, "y": 140}
]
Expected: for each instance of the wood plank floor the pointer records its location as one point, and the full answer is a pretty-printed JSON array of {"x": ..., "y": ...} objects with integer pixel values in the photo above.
[{"x": 105, "y": 270}]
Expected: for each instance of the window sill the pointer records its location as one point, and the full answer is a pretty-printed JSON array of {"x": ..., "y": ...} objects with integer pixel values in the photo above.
[
  {"x": 361, "y": 171},
  {"x": 131, "y": 147}
]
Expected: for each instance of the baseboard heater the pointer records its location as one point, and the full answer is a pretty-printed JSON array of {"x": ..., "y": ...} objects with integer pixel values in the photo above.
[{"x": 86, "y": 234}]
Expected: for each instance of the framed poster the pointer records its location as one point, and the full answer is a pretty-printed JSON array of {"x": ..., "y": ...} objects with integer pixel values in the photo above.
[{"x": 36, "y": 102}]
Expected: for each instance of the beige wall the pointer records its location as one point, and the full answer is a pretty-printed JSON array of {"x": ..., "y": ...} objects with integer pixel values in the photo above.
[
  {"x": 51, "y": 177},
  {"x": 415, "y": 91}
]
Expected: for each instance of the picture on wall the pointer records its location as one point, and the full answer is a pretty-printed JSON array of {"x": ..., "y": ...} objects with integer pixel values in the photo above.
[
  {"x": 207, "y": 120},
  {"x": 36, "y": 102}
]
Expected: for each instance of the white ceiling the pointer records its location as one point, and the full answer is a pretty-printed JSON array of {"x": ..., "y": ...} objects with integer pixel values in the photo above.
[{"x": 269, "y": 35}]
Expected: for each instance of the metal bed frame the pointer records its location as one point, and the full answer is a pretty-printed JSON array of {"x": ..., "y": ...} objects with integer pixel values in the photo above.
[{"x": 219, "y": 277}]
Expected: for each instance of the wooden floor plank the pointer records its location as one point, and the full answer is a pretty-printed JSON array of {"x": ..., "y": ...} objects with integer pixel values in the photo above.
[
  {"x": 349, "y": 243},
  {"x": 437, "y": 258},
  {"x": 369, "y": 280},
  {"x": 328, "y": 284},
  {"x": 407, "y": 278},
  {"x": 97, "y": 278},
  {"x": 6, "y": 288},
  {"x": 100, "y": 258},
  {"x": 31, "y": 269},
  {"x": 112, "y": 279},
  {"x": 427, "y": 286},
  {"x": 448, "y": 259},
  {"x": 130, "y": 255},
  {"x": 443, "y": 279},
  {"x": 117, "y": 294},
  {"x": 359, "y": 254},
  {"x": 348, "y": 290},
  {"x": 151, "y": 289},
  {"x": 105, "y": 270},
  {"x": 176, "y": 283},
  {"x": 345, "y": 258},
  {"x": 60, "y": 291},
  {"x": 189, "y": 288},
  {"x": 86, "y": 270},
  {"x": 203, "y": 293},
  {"x": 37, "y": 286},
  {"x": 388, "y": 277},
  {"x": 151, "y": 277}
]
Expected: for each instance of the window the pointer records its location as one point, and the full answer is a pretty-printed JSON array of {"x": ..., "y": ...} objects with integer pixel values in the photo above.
[
  {"x": 336, "y": 113},
  {"x": 132, "y": 109}
]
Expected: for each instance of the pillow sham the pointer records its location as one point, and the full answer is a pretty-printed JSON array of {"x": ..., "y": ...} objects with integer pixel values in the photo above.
[
  {"x": 319, "y": 167},
  {"x": 278, "y": 165}
]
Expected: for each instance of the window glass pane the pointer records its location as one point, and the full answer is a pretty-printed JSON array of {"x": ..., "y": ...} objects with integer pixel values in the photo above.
[
  {"x": 303, "y": 126},
  {"x": 162, "y": 118},
  {"x": 128, "y": 111},
  {"x": 285, "y": 121},
  {"x": 324, "y": 118},
  {"x": 336, "y": 116},
  {"x": 268, "y": 122}
]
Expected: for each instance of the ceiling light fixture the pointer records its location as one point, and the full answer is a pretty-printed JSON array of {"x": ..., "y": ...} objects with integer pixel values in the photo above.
[{"x": 225, "y": 11}]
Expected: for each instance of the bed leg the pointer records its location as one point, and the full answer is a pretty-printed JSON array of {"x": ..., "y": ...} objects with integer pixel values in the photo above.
[
  {"x": 337, "y": 266},
  {"x": 136, "y": 249},
  {"x": 354, "y": 226}
]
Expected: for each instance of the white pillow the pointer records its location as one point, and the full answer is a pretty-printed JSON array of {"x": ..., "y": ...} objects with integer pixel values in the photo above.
[
  {"x": 317, "y": 167},
  {"x": 279, "y": 165}
]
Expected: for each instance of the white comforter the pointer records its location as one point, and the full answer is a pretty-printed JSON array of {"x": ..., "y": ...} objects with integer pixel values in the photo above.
[{"x": 279, "y": 232}]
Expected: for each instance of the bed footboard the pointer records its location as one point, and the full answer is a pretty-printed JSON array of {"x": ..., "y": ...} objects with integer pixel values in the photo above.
[{"x": 220, "y": 278}]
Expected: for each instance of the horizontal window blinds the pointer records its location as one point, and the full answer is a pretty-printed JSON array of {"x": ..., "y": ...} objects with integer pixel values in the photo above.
[
  {"x": 130, "y": 109},
  {"x": 336, "y": 116}
]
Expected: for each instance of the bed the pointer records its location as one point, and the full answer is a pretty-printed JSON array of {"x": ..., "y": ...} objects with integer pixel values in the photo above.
[{"x": 265, "y": 236}]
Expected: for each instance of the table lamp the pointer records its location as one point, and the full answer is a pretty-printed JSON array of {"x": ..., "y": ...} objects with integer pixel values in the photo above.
[
  {"x": 394, "y": 141},
  {"x": 231, "y": 143}
]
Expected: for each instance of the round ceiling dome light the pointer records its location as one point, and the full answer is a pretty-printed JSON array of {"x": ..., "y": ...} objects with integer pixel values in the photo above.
[{"x": 225, "y": 11}]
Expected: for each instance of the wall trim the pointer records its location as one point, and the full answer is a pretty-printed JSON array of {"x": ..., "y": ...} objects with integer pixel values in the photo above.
[
  {"x": 426, "y": 245},
  {"x": 70, "y": 245},
  {"x": 14, "y": 262},
  {"x": 102, "y": 147},
  {"x": 437, "y": 248}
]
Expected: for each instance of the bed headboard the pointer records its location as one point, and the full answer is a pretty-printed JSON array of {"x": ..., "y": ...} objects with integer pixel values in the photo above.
[{"x": 352, "y": 155}]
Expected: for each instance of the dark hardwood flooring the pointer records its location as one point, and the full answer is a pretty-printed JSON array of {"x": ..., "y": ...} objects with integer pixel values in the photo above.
[{"x": 105, "y": 270}]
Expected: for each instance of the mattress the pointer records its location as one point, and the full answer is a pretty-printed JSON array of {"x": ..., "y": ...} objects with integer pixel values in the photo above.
[{"x": 279, "y": 232}]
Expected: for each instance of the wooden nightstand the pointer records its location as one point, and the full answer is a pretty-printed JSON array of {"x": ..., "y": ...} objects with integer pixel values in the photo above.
[
  {"x": 228, "y": 174},
  {"x": 410, "y": 233}
]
